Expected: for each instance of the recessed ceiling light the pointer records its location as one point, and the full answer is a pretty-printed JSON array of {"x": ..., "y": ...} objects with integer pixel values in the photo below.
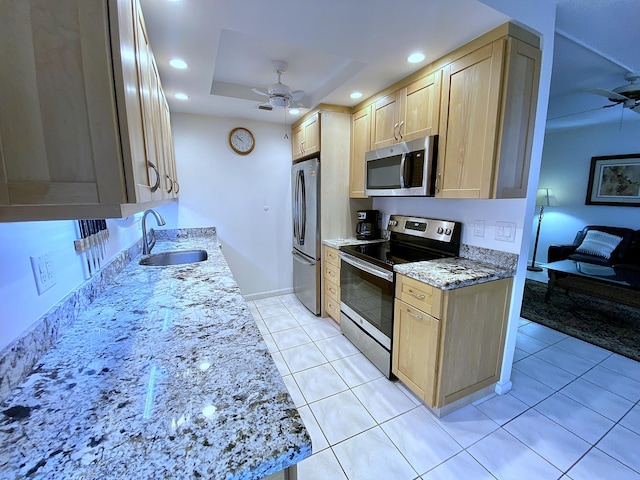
[
  {"x": 294, "y": 111},
  {"x": 178, "y": 63},
  {"x": 181, "y": 96},
  {"x": 415, "y": 57},
  {"x": 355, "y": 95}
]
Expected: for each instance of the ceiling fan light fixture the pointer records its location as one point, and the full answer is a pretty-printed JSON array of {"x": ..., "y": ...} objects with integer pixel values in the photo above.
[{"x": 279, "y": 102}]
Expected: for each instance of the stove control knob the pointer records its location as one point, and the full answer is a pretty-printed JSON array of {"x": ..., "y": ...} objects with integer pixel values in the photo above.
[
  {"x": 440, "y": 230},
  {"x": 393, "y": 223},
  {"x": 447, "y": 231}
]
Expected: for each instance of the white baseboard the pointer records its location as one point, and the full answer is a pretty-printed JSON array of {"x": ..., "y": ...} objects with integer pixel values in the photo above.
[
  {"x": 272, "y": 293},
  {"x": 503, "y": 387}
]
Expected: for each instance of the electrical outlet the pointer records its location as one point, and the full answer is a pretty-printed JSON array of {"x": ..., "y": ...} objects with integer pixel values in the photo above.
[
  {"x": 43, "y": 272},
  {"x": 478, "y": 228},
  {"x": 505, "y": 231}
]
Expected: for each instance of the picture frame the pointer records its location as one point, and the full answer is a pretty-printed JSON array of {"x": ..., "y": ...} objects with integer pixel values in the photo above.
[{"x": 614, "y": 180}]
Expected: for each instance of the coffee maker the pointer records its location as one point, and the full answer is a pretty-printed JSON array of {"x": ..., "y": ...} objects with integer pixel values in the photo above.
[{"x": 367, "y": 227}]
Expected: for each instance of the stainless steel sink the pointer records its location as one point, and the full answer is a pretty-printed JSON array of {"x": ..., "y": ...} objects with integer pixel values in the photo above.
[{"x": 176, "y": 257}]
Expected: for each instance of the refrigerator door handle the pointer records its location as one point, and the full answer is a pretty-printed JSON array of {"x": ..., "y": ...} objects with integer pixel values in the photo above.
[
  {"x": 303, "y": 220},
  {"x": 295, "y": 209},
  {"x": 302, "y": 259}
]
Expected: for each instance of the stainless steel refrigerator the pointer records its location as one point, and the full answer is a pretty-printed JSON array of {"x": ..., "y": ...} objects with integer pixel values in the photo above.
[{"x": 305, "y": 182}]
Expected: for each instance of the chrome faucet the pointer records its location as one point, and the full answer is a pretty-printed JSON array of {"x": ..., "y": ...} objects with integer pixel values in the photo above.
[{"x": 146, "y": 245}]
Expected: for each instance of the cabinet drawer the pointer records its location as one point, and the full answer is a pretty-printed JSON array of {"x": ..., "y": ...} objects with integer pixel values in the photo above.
[
  {"x": 332, "y": 290},
  {"x": 419, "y": 295},
  {"x": 332, "y": 273},
  {"x": 332, "y": 308},
  {"x": 331, "y": 256}
]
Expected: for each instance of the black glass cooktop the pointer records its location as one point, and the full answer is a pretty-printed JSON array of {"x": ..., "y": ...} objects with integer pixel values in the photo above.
[{"x": 387, "y": 254}]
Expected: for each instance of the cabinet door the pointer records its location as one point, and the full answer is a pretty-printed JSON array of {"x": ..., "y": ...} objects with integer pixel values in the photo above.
[
  {"x": 297, "y": 138},
  {"x": 311, "y": 135},
  {"x": 360, "y": 144},
  {"x": 421, "y": 109},
  {"x": 519, "y": 101},
  {"x": 415, "y": 350},
  {"x": 470, "y": 108},
  {"x": 147, "y": 175},
  {"x": 384, "y": 122},
  {"x": 59, "y": 142}
]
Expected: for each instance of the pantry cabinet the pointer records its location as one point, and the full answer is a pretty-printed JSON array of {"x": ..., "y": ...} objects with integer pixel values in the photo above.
[
  {"x": 448, "y": 344},
  {"x": 84, "y": 128},
  {"x": 305, "y": 138},
  {"x": 488, "y": 108},
  {"x": 408, "y": 113}
]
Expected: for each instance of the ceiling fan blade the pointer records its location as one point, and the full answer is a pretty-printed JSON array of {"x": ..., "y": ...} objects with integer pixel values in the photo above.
[
  {"x": 259, "y": 92},
  {"x": 636, "y": 109},
  {"x": 584, "y": 111},
  {"x": 297, "y": 94},
  {"x": 609, "y": 94},
  {"x": 265, "y": 106}
]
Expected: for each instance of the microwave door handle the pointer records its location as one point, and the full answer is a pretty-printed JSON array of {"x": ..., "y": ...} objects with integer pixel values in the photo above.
[
  {"x": 402, "y": 169},
  {"x": 303, "y": 219}
]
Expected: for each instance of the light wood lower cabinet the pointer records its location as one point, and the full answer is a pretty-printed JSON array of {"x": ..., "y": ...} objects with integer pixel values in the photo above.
[
  {"x": 84, "y": 128},
  {"x": 332, "y": 283},
  {"x": 448, "y": 344}
]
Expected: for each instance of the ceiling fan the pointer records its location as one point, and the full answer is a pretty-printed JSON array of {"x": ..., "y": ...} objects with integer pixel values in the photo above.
[
  {"x": 627, "y": 95},
  {"x": 280, "y": 95}
]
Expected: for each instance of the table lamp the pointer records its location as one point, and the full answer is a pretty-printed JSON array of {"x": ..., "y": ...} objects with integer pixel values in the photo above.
[{"x": 544, "y": 198}]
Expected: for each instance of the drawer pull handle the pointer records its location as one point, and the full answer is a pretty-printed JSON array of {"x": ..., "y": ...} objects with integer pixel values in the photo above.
[
  {"x": 419, "y": 317},
  {"x": 419, "y": 296}
]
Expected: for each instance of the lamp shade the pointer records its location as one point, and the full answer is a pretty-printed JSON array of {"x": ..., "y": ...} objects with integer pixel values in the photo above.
[{"x": 546, "y": 198}]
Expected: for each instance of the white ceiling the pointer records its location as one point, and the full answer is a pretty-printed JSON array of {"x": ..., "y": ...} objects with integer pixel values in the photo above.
[{"x": 334, "y": 47}]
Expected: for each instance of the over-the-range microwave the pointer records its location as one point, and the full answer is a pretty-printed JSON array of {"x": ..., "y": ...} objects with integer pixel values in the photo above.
[{"x": 403, "y": 169}]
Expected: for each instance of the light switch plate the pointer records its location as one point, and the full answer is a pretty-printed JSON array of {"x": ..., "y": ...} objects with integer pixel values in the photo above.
[
  {"x": 505, "y": 231},
  {"x": 43, "y": 272},
  {"x": 478, "y": 228}
]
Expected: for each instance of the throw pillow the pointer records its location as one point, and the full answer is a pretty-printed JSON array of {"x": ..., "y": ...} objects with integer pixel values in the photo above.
[{"x": 600, "y": 244}]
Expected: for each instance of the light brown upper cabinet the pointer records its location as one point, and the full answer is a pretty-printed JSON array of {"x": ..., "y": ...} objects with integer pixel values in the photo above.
[
  {"x": 488, "y": 108},
  {"x": 360, "y": 144},
  {"x": 83, "y": 129},
  {"x": 408, "y": 113},
  {"x": 305, "y": 138}
]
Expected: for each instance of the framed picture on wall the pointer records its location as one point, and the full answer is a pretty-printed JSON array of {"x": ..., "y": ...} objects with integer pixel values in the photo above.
[{"x": 614, "y": 180}]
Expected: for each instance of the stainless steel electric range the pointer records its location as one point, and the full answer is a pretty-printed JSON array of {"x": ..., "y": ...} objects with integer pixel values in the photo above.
[{"x": 367, "y": 280}]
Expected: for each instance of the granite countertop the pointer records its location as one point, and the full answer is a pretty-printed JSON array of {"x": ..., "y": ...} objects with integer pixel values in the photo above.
[
  {"x": 455, "y": 272},
  {"x": 165, "y": 375},
  {"x": 339, "y": 242}
]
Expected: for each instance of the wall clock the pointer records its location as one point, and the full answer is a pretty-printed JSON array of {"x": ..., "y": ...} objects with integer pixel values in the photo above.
[{"x": 241, "y": 140}]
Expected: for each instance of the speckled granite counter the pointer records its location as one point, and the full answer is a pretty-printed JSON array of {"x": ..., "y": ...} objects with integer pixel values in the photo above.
[
  {"x": 339, "y": 242},
  {"x": 456, "y": 272},
  {"x": 165, "y": 375}
]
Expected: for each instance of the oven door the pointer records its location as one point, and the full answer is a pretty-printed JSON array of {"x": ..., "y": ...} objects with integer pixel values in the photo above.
[{"x": 366, "y": 296}]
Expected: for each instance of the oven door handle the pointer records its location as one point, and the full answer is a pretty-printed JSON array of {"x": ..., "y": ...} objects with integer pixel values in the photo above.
[{"x": 366, "y": 267}]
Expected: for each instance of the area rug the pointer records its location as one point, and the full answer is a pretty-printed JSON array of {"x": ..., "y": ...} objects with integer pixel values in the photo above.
[{"x": 600, "y": 322}]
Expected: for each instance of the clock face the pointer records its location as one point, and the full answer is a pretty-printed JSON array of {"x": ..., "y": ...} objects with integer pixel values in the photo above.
[{"x": 241, "y": 140}]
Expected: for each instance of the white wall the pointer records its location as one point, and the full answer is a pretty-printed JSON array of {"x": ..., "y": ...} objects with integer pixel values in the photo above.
[
  {"x": 566, "y": 161},
  {"x": 467, "y": 212},
  {"x": 247, "y": 198},
  {"x": 20, "y": 304}
]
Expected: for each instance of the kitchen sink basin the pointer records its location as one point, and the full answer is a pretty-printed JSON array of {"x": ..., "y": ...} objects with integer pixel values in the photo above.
[{"x": 176, "y": 257}]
